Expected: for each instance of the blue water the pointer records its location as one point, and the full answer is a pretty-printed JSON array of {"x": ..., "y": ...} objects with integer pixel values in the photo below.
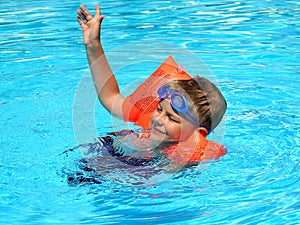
[{"x": 250, "y": 49}]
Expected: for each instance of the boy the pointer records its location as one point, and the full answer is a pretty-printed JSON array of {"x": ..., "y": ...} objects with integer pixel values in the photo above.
[{"x": 185, "y": 111}]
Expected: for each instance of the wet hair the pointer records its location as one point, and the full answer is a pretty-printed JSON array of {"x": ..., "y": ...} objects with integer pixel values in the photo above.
[{"x": 205, "y": 100}]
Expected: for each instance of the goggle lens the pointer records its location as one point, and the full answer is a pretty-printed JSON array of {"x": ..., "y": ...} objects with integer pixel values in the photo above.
[{"x": 178, "y": 102}]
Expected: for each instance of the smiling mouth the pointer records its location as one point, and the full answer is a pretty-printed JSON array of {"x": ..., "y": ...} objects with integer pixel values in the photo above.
[{"x": 157, "y": 131}]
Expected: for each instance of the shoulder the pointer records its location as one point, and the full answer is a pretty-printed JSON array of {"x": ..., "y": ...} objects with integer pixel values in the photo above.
[{"x": 214, "y": 150}]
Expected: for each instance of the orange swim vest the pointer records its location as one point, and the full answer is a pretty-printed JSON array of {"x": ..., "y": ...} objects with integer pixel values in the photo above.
[
  {"x": 195, "y": 151},
  {"x": 139, "y": 106}
]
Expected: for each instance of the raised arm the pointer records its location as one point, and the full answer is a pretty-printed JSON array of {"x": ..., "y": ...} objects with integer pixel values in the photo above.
[{"x": 104, "y": 79}]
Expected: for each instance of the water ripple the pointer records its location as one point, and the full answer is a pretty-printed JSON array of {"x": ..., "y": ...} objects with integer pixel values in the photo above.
[{"x": 252, "y": 48}]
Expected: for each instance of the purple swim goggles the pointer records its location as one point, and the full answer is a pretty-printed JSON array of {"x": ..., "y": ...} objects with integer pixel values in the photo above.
[{"x": 178, "y": 102}]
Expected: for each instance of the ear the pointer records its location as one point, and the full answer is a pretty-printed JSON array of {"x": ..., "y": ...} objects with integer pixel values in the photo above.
[
  {"x": 203, "y": 131},
  {"x": 200, "y": 131},
  {"x": 197, "y": 135}
]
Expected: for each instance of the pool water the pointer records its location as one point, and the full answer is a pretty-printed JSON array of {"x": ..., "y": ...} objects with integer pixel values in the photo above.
[{"x": 250, "y": 49}]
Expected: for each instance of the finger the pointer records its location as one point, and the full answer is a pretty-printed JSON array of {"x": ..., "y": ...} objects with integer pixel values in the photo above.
[
  {"x": 86, "y": 13},
  {"x": 80, "y": 21},
  {"x": 81, "y": 24},
  {"x": 81, "y": 16},
  {"x": 98, "y": 13},
  {"x": 98, "y": 10}
]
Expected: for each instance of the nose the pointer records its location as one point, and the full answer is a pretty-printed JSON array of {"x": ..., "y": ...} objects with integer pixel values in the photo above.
[{"x": 158, "y": 119}]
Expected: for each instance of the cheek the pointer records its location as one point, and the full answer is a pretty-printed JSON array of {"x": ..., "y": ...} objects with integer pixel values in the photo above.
[
  {"x": 180, "y": 132},
  {"x": 174, "y": 130},
  {"x": 153, "y": 116}
]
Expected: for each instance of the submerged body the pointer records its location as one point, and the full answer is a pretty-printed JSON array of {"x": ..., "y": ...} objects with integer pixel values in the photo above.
[{"x": 132, "y": 157}]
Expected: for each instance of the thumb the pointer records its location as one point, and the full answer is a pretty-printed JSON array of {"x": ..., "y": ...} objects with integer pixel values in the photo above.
[{"x": 100, "y": 18}]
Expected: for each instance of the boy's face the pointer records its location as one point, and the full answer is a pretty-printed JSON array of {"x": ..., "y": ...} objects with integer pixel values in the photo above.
[{"x": 167, "y": 125}]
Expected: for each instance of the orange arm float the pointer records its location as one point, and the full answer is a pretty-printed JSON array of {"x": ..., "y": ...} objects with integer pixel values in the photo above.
[{"x": 139, "y": 106}]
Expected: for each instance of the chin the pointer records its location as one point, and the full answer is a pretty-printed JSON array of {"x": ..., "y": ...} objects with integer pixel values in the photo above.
[
  {"x": 156, "y": 137},
  {"x": 161, "y": 139}
]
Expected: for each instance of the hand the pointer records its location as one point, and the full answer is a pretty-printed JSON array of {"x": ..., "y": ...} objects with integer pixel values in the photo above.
[{"x": 90, "y": 26}]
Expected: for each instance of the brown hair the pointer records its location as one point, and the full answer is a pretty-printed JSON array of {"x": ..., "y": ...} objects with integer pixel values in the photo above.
[{"x": 205, "y": 100}]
